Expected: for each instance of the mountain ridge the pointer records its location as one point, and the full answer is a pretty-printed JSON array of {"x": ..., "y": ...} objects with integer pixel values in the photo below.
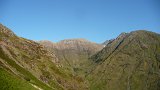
[{"x": 130, "y": 65}]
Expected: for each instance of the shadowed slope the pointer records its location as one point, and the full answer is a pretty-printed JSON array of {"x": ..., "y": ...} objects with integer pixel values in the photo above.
[{"x": 130, "y": 62}]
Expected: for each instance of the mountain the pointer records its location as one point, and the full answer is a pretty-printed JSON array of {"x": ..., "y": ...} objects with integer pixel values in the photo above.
[
  {"x": 73, "y": 53},
  {"x": 130, "y": 62},
  {"x": 26, "y": 64}
]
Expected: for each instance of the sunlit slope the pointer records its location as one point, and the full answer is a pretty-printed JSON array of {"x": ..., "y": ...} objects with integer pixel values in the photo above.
[{"x": 33, "y": 63}]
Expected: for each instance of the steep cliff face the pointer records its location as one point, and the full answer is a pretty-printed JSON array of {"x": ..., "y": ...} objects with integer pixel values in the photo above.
[
  {"x": 73, "y": 53},
  {"x": 32, "y": 64},
  {"x": 130, "y": 62}
]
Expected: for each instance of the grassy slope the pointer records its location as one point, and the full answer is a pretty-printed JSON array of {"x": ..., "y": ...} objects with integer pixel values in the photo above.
[
  {"x": 26, "y": 74},
  {"x": 9, "y": 81}
]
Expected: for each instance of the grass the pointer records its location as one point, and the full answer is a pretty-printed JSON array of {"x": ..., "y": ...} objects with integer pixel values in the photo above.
[{"x": 9, "y": 81}]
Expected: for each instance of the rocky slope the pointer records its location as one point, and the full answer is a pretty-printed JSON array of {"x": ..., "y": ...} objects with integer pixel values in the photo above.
[
  {"x": 28, "y": 62},
  {"x": 130, "y": 62}
]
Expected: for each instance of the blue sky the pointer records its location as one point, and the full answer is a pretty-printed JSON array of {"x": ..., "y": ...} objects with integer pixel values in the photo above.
[{"x": 95, "y": 20}]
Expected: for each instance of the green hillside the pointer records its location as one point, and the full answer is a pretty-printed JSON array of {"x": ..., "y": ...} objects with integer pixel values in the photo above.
[{"x": 9, "y": 81}]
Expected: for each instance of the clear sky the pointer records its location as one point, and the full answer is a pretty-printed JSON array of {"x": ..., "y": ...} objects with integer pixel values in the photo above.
[{"x": 95, "y": 20}]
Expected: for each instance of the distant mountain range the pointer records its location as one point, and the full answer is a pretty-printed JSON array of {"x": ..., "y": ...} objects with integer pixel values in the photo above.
[
  {"x": 129, "y": 62},
  {"x": 73, "y": 53}
]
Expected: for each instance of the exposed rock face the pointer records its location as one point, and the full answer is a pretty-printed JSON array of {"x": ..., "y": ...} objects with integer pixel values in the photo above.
[{"x": 130, "y": 62}]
